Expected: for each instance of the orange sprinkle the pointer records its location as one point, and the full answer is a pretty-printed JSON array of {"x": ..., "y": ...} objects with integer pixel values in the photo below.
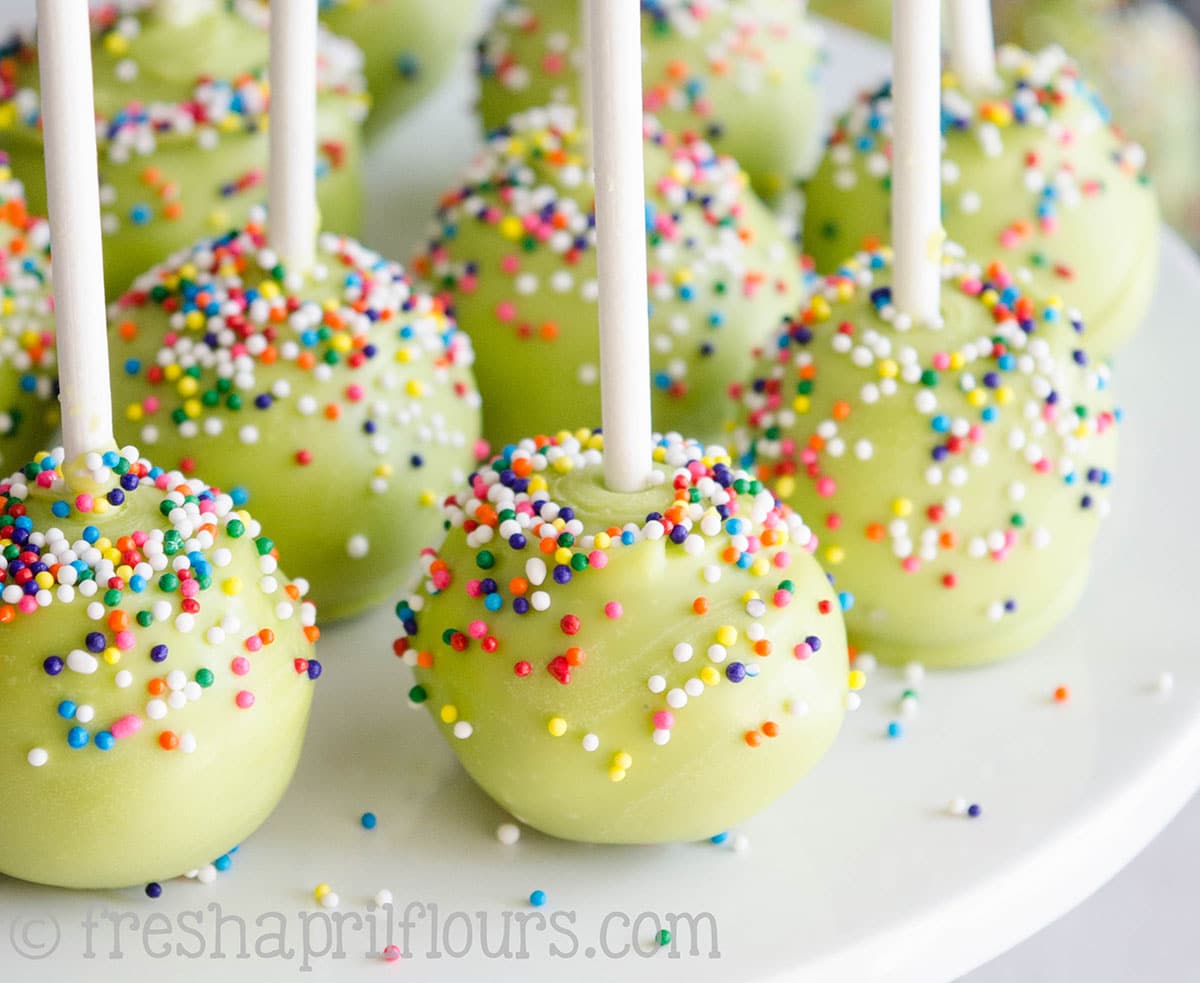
[
  {"x": 753, "y": 738},
  {"x": 168, "y": 740},
  {"x": 700, "y": 605},
  {"x": 770, "y": 728}
]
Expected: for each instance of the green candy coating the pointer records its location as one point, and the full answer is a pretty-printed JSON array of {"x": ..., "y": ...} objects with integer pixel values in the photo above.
[
  {"x": 189, "y": 772},
  {"x": 408, "y": 46},
  {"x": 742, "y": 74},
  {"x": 512, "y": 248},
  {"x": 957, "y": 474},
  {"x": 183, "y": 149},
  {"x": 342, "y": 399},
  {"x": 1033, "y": 174},
  {"x": 29, "y": 413},
  {"x": 669, "y": 689}
]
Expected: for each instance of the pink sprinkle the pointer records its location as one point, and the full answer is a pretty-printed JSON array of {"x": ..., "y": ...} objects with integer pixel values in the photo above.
[
  {"x": 506, "y": 311},
  {"x": 781, "y": 598},
  {"x": 84, "y": 503},
  {"x": 151, "y": 404},
  {"x": 189, "y": 587},
  {"x": 474, "y": 588},
  {"x": 354, "y": 393},
  {"x": 45, "y": 479},
  {"x": 482, "y": 449},
  {"x": 253, "y": 644},
  {"x": 477, "y": 629},
  {"x": 392, "y": 953},
  {"x": 126, "y": 726},
  {"x": 826, "y": 487},
  {"x": 598, "y": 559},
  {"x": 911, "y": 564},
  {"x": 664, "y": 720},
  {"x": 941, "y": 361},
  {"x": 124, "y": 640},
  {"x": 240, "y": 666},
  {"x": 802, "y": 651},
  {"x": 510, "y": 264},
  {"x": 245, "y": 699},
  {"x": 27, "y": 604},
  {"x": 613, "y": 609}
]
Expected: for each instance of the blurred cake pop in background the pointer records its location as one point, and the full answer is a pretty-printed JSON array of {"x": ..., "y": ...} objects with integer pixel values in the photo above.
[{"x": 1142, "y": 57}]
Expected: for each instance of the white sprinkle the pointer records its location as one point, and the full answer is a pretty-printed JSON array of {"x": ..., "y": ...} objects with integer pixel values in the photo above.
[
  {"x": 508, "y": 833},
  {"x": 358, "y": 546},
  {"x": 590, "y": 742},
  {"x": 38, "y": 757},
  {"x": 656, "y": 684}
]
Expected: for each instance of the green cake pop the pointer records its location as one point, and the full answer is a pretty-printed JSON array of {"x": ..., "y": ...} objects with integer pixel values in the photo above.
[
  {"x": 957, "y": 473},
  {"x": 181, "y": 111},
  {"x": 1034, "y": 173},
  {"x": 156, "y": 674},
  {"x": 341, "y": 398},
  {"x": 408, "y": 46},
  {"x": 626, "y": 667},
  {"x": 28, "y": 374},
  {"x": 513, "y": 250},
  {"x": 741, "y": 74}
]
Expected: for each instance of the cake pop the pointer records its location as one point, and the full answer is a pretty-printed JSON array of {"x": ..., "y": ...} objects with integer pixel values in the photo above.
[
  {"x": 155, "y": 665},
  {"x": 181, "y": 98},
  {"x": 512, "y": 252},
  {"x": 627, "y": 668},
  {"x": 28, "y": 380},
  {"x": 305, "y": 369},
  {"x": 957, "y": 474},
  {"x": 1034, "y": 173},
  {"x": 624, "y": 638},
  {"x": 408, "y": 46},
  {"x": 727, "y": 71}
]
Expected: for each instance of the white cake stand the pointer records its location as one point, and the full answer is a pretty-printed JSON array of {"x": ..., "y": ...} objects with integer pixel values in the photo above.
[{"x": 859, "y": 875}]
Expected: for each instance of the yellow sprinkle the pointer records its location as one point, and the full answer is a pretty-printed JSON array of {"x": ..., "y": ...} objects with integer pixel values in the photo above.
[
  {"x": 957, "y": 361},
  {"x": 218, "y": 218},
  {"x": 172, "y": 372},
  {"x": 193, "y": 408},
  {"x": 404, "y": 355},
  {"x": 427, "y": 497},
  {"x": 709, "y": 676},
  {"x": 564, "y": 464},
  {"x": 623, "y": 759},
  {"x": 603, "y": 541},
  {"x": 750, "y": 595},
  {"x": 124, "y": 571},
  {"x": 801, "y": 404},
  {"x": 112, "y": 655},
  {"x": 820, "y": 308},
  {"x": 321, "y": 891},
  {"x": 537, "y": 483},
  {"x": 414, "y": 387},
  {"x": 341, "y": 343},
  {"x": 232, "y": 586},
  {"x": 977, "y": 397},
  {"x": 383, "y": 471},
  {"x": 188, "y": 386},
  {"x": 193, "y": 320},
  {"x": 834, "y": 555},
  {"x": 45, "y": 580},
  {"x": 134, "y": 413},
  {"x": 1004, "y": 395},
  {"x": 727, "y": 635},
  {"x": 116, "y": 43},
  {"x": 616, "y": 774},
  {"x": 449, "y": 713},
  {"x": 510, "y": 227},
  {"x": 760, "y": 566},
  {"x": 785, "y": 486},
  {"x": 902, "y": 507},
  {"x": 562, "y": 556},
  {"x": 557, "y": 726},
  {"x": 888, "y": 369},
  {"x": 858, "y": 679}
]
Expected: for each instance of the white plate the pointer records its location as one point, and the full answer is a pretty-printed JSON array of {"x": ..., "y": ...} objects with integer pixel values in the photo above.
[{"x": 859, "y": 874}]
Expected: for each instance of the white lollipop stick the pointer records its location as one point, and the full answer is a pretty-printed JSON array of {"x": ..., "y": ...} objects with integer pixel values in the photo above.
[
  {"x": 183, "y": 12},
  {"x": 615, "y": 57},
  {"x": 917, "y": 158},
  {"x": 973, "y": 44},
  {"x": 73, "y": 194},
  {"x": 292, "y": 181}
]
